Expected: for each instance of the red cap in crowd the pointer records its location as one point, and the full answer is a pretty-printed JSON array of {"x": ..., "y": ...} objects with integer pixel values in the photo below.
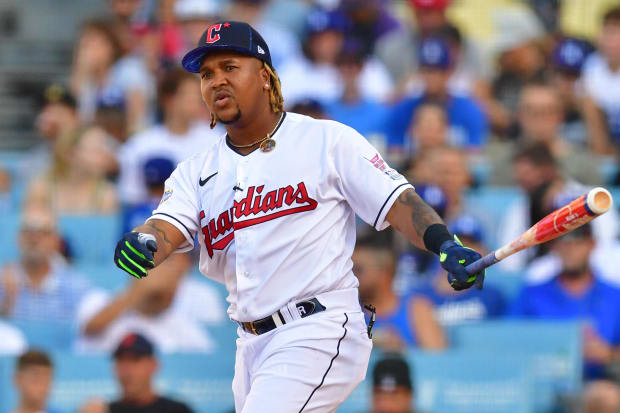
[{"x": 430, "y": 4}]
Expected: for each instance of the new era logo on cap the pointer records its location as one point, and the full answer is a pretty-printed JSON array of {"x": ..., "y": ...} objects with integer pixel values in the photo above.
[{"x": 260, "y": 50}]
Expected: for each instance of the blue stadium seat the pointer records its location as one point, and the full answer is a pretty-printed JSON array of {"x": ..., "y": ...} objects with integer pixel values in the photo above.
[
  {"x": 553, "y": 349},
  {"x": 8, "y": 237},
  {"x": 457, "y": 381},
  {"x": 92, "y": 238},
  {"x": 491, "y": 204},
  {"x": 46, "y": 335},
  {"x": 509, "y": 283},
  {"x": 105, "y": 275},
  {"x": 202, "y": 381}
]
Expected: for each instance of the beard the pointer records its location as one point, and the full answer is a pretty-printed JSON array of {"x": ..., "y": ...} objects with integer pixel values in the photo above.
[
  {"x": 575, "y": 272},
  {"x": 234, "y": 119},
  {"x": 33, "y": 258}
]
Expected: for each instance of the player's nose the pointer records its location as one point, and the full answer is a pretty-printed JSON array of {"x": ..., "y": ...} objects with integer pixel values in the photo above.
[{"x": 219, "y": 79}]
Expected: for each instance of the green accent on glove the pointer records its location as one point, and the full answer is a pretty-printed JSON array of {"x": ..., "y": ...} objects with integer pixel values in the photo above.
[
  {"x": 138, "y": 266},
  {"x": 129, "y": 270},
  {"x": 458, "y": 241},
  {"x": 135, "y": 251},
  {"x": 442, "y": 257}
]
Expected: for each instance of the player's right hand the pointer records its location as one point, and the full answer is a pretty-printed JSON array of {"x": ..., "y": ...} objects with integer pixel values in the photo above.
[
  {"x": 454, "y": 257},
  {"x": 134, "y": 253}
]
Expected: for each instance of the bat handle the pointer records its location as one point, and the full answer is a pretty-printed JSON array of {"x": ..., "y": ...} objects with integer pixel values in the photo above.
[{"x": 482, "y": 263}]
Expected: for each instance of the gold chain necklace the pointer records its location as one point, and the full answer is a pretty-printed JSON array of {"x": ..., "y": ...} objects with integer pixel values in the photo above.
[{"x": 258, "y": 141}]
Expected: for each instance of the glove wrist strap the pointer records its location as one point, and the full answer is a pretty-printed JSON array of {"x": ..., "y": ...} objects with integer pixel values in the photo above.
[{"x": 434, "y": 236}]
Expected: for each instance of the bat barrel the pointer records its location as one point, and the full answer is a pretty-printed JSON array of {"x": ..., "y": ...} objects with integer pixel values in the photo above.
[{"x": 598, "y": 201}]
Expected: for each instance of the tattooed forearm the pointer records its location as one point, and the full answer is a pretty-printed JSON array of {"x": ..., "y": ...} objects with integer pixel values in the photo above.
[
  {"x": 161, "y": 234},
  {"x": 422, "y": 215}
]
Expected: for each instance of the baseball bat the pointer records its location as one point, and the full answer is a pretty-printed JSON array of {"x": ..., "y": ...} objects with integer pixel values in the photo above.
[{"x": 565, "y": 219}]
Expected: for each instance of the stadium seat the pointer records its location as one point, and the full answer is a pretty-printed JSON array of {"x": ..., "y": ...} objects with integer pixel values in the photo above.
[
  {"x": 46, "y": 335},
  {"x": 509, "y": 283},
  {"x": 8, "y": 237},
  {"x": 553, "y": 351},
  {"x": 491, "y": 203},
  {"x": 91, "y": 238},
  {"x": 106, "y": 276},
  {"x": 202, "y": 381},
  {"x": 457, "y": 381}
]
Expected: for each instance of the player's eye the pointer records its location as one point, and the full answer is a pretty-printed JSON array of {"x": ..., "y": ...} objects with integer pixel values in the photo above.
[
  {"x": 206, "y": 75},
  {"x": 230, "y": 68}
]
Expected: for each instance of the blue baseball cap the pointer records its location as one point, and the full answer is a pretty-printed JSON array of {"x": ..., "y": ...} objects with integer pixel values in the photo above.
[
  {"x": 434, "y": 53},
  {"x": 434, "y": 196},
  {"x": 320, "y": 21},
  {"x": 157, "y": 170},
  {"x": 229, "y": 35},
  {"x": 467, "y": 226},
  {"x": 570, "y": 54}
]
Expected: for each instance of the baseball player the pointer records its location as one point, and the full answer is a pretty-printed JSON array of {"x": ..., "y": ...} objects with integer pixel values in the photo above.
[{"x": 273, "y": 203}]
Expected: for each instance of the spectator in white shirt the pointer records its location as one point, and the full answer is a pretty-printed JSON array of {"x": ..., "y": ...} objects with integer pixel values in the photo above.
[
  {"x": 601, "y": 78},
  {"x": 39, "y": 286},
  {"x": 168, "y": 308},
  {"x": 194, "y": 16},
  {"x": 537, "y": 174},
  {"x": 283, "y": 44},
  {"x": 103, "y": 75},
  {"x": 315, "y": 75},
  {"x": 182, "y": 134}
]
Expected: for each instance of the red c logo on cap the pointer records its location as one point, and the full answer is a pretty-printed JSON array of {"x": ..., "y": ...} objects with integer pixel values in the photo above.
[{"x": 210, "y": 37}]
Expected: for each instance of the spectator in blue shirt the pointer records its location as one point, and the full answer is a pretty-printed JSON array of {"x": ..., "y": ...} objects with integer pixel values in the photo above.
[
  {"x": 577, "y": 294},
  {"x": 364, "y": 114},
  {"x": 458, "y": 307},
  {"x": 467, "y": 121},
  {"x": 156, "y": 171},
  {"x": 33, "y": 382},
  {"x": 401, "y": 321},
  {"x": 40, "y": 285}
]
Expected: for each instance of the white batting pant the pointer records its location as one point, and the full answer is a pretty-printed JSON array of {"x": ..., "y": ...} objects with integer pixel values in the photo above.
[{"x": 307, "y": 365}]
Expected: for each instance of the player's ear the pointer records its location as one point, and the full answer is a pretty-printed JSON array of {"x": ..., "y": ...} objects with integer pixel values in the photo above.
[{"x": 265, "y": 78}]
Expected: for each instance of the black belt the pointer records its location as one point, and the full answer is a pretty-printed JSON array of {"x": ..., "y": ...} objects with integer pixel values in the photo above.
[{"x": 262, "y": 326}]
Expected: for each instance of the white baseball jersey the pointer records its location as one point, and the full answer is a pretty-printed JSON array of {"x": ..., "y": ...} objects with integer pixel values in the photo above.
[{"x": 278, "y": 226}]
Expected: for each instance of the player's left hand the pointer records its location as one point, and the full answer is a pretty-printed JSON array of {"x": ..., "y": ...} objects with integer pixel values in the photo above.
[{"x": 454, "y": 257}]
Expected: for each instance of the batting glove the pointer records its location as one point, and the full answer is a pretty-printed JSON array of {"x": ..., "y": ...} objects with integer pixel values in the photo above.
[
  {"x": 454, "y": 257},
  {"x": 134, "y": 253}
]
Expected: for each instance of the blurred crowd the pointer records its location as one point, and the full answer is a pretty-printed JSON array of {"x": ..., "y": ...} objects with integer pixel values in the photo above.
[{"x": 457, "y": 95}]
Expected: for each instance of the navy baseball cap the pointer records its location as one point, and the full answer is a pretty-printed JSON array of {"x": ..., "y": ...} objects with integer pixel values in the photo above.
[
  {"x": 157, "y": 170},
  {"x": 134, "y": 344},
  {"x": 391, "y": 373},
  {"x": 467, "y": 226},
  {"x": 230, "y": 35},
  {"x": 434, "y": 53},
  {"x": 570, "y": 54}
]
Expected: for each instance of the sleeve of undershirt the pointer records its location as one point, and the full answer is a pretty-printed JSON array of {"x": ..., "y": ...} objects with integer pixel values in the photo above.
[{"x": 367, "y": 182}]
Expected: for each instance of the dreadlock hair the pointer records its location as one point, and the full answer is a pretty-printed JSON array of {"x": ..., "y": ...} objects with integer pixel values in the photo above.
[{"x": 275, "y": 93}]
